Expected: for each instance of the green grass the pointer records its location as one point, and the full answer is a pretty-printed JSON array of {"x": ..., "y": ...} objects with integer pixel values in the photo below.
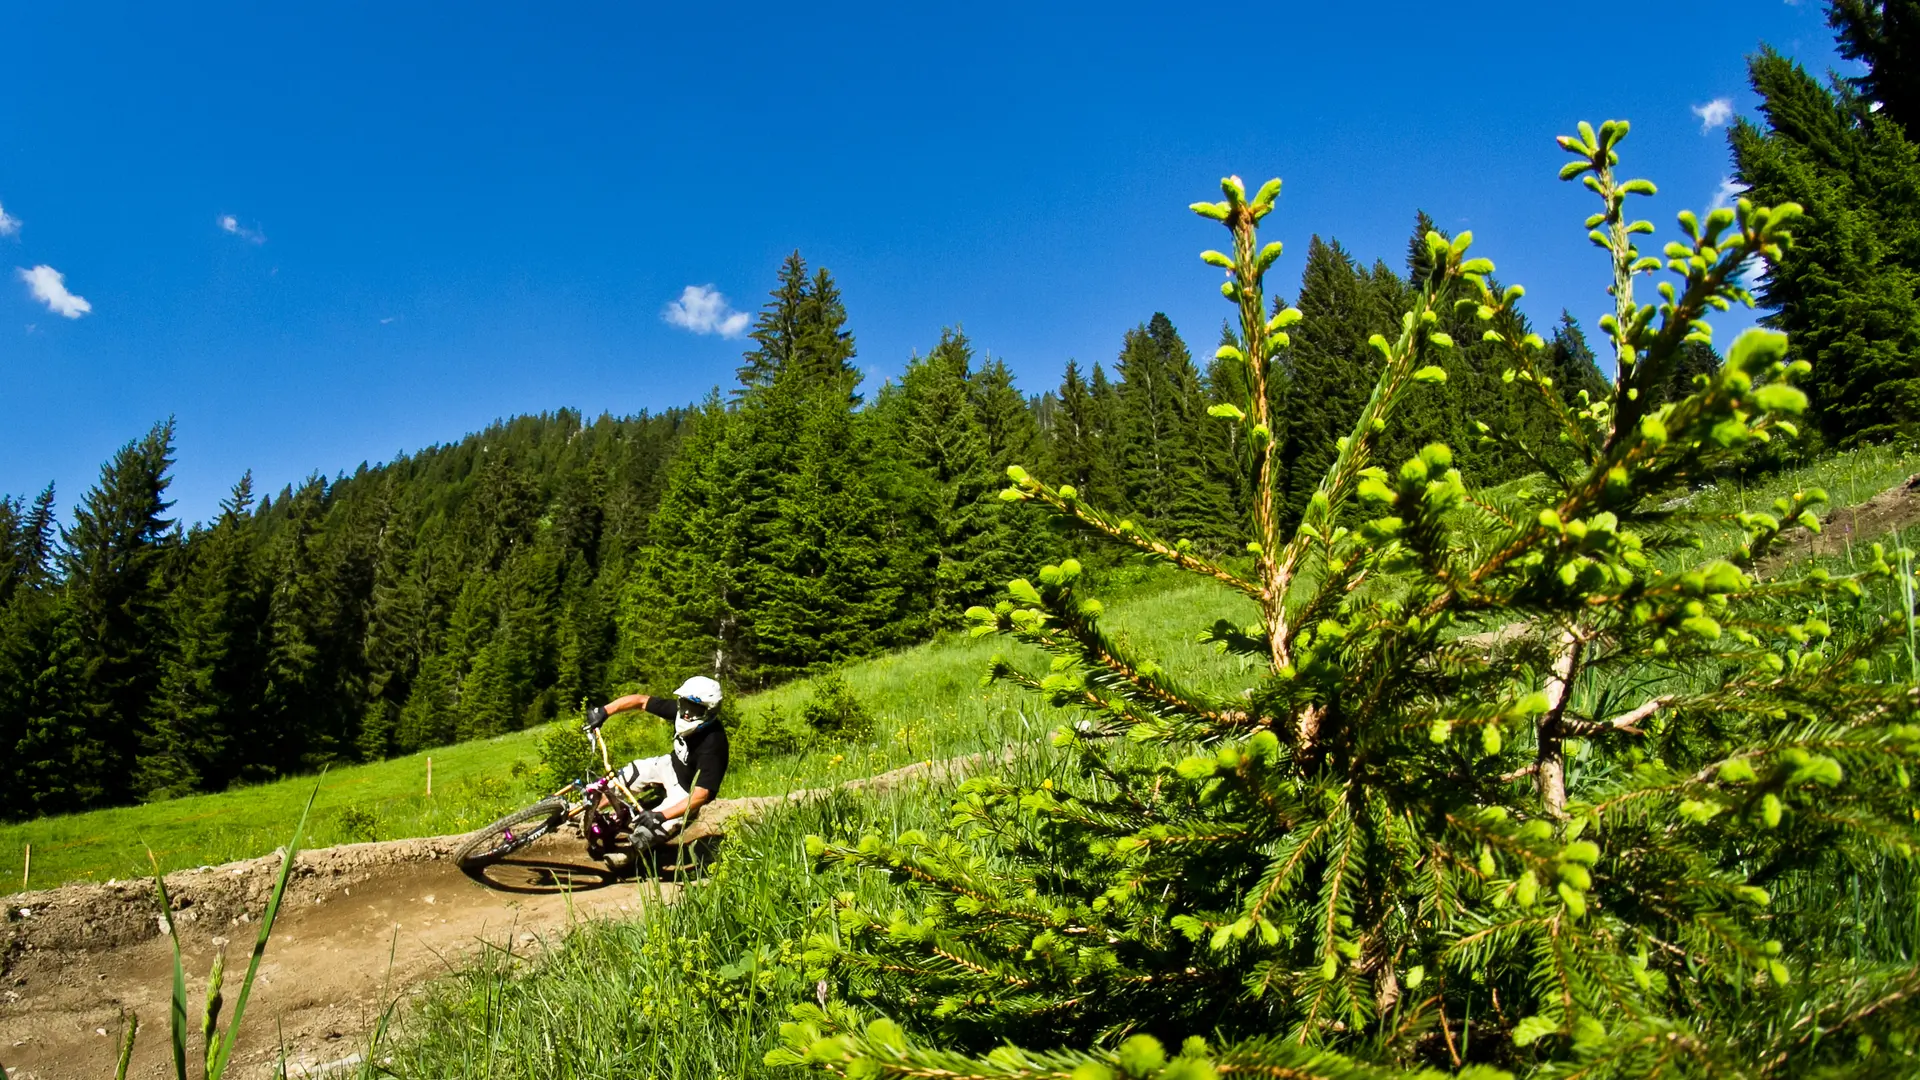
[
  {"x": 1849, "y": 478},
  {"x": 469, "y": 784},
  {"x": 692, "y": 989},
  {"x": 927, "y": 701}
]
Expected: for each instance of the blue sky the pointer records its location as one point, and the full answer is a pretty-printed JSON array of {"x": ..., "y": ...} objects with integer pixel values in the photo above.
[{"x": 323, "y": 234}]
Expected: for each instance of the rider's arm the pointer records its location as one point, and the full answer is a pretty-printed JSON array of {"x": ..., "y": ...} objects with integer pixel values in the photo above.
[
  {"x": 700, "y": 797},
  {"x": 631, "y": 701}
]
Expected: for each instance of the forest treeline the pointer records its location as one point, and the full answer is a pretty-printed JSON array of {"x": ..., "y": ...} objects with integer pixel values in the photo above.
[{"x": 790, "y": 523}]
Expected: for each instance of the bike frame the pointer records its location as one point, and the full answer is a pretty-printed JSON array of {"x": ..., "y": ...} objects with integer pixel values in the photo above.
[{"x": 585, "y": 795}]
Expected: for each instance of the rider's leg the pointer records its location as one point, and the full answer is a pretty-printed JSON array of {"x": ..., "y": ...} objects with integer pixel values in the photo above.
[{"x": 656, "y": 770}]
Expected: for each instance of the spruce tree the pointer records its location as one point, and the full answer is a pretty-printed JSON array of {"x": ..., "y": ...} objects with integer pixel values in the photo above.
[
  {"x": 939, "y": 438},
  {"x": 1020, "y": 534},
  {"x": 780, "y": 329},
  {"x": 396, "y": 635},
  {"x": 1848, "y": 291},
  {"x": 1885, "y": 36},
  {"x": 824, "y": 349},
  {"x": 307, "y": 715},
  {"x": 59, "y": 762},
  {"x": 685, "y": 605},
  {"x": 1161, "y": 406},
  {"x": 115, "y": 559},
  {"x": 1570, "y": 361},
  {"x": 13, "y": 547},
  {"x": 822, "y": 582},
  {"x": 1374, "y": 861},
  {"x": 1078, "y": 451},
  {"x": 210, "y": 682},
  {"x": 1330, "y": 368}
]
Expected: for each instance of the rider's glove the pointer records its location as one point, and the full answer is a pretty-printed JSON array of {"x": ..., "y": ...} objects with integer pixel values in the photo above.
[{"x": 595, "y": 717}]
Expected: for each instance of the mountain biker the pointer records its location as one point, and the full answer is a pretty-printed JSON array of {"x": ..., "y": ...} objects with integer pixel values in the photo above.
[{"x": 692, "y": 773}]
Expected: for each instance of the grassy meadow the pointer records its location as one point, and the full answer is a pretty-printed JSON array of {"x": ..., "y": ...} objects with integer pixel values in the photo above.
[
  {"x": 698, "y": 989},
  {"x": 927, "y": 703}
]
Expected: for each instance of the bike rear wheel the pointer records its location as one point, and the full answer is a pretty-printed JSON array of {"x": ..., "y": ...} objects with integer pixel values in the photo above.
[{"x": 511, "y": 833}]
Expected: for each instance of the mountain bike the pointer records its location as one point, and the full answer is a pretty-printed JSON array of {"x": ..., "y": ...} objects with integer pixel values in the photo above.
[{"x": 603, "y": 805}]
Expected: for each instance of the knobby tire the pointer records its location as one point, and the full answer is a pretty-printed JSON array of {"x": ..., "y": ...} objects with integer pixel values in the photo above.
[{"x": 493, "y": 843}]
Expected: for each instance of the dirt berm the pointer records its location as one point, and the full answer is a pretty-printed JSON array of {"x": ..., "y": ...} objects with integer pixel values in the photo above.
[{"x": 360, "y": 927}]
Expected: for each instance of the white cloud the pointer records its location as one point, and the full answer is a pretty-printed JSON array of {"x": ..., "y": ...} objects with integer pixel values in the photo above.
[
  {"x": 9, "y": 225},
  {"x": 49, "y": 287},
  {"x": 1714, "y": 114},
  {"x": 231, "y": 224},
  {"x": 1729, "y": 193},
  {"x": 703, "y": 310}
]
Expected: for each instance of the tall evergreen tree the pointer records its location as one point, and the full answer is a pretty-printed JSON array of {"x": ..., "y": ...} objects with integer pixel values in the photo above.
[
  {"x": 396, "y": 632},
  {"x": 686, "y": 603},
  {"x": 940, "y": 439},
  {"x": 115, "y": 559},
  {"x": 209, "y": 684},
  {"x": 824, "y": 348},
  {"x": 1161, "y": 408},
  {"x": 824, "y": 580},
  {"x": 1331, "y": 370},
  {"x": 1848, "y": 290},
  {"x": 1885, "y": 36},
  {"x": 39, "y": 534},
  {"x": 801, "y": 336},
  {"x": 1570, "y": 361}
]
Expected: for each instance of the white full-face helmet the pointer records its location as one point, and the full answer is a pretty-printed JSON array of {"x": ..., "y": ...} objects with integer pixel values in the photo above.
[{"x": 700, "y": 689}]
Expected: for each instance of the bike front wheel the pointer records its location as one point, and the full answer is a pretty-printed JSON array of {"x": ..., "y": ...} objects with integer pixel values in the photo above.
[{"x": 511, "y": 833}]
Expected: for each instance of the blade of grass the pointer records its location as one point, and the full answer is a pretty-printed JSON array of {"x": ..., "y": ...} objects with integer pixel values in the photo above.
[
  {"x": 218, "y": 1066},
  {"x": 211, "y": 1016},
  {"x": 177, "y": 1013},
  {"x": 126, "y": 1048}
]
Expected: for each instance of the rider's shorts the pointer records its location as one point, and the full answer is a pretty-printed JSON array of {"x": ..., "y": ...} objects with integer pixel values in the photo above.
[{"x": 656, "y": 770}]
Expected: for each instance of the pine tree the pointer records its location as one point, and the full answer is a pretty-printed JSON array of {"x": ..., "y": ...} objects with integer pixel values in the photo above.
[
  {"x": 115, "y": 563},
  {"x": 58, "y": 762},
  {"x": 1848, "y": 291},
  {"x": 13, "y": 547},
  {"x": 684, "y": 608},
  {"x": 309, "y": 713},
  {"x": 1020, "y": 534},
  {"x": 210, "y": 682},
  {"x": 780, "y": 329},
  {"x": 771, "y": 517},
  {"x": 1885, "y": 36},
  {"x": 1078, "y": 449},
  {"x": 824, "y": 349},
  {"x": 822, "y": 585},
  {"x": 1161, "y": 408},
  {"x": 396, "y": 637},
  {"x": 1570, "y": 361},
  {"x": 941, "y": 440},
  {"x": 1330, "y": 368},
  {"x": 1374, "y": 862}
]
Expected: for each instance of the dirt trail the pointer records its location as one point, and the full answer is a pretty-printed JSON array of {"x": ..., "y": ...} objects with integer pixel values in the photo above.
[
  {"x": 361, "y": 926},
  {"x": 1890, "y": 511}
]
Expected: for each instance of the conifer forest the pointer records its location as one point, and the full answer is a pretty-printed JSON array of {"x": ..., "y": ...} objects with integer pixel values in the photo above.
[{"x": 1524, "y": 773}]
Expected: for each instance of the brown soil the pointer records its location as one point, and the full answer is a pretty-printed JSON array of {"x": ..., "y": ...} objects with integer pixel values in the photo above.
[
  {"x": 360, "y": 928},
  {"x": 1890, "y": 511}
]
